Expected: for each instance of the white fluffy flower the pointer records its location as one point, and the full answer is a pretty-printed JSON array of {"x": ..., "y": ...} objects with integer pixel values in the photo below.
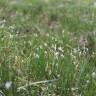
[
  {"x": 93, "y": 74},
  {"x": 8, "y": 84},
  {"x": 11, "y": 36}
]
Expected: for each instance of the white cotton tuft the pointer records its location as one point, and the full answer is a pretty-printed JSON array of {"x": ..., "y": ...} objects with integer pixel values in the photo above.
[{"x": 8, "y": 84}]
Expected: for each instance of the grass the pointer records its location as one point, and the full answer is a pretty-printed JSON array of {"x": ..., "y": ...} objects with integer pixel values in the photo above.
[{"x": 51, "y": 40}]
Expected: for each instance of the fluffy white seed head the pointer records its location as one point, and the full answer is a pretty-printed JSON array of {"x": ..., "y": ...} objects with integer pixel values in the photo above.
[{"x": 8, "y": 84}]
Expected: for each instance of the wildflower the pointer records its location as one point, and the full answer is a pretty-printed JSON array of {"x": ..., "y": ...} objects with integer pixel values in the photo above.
[
  {"x": 93, "y": 74},
  {"x": 87, "y": 81},
  {"x": 61, "y": 49},
  {"x": 16, "y": 58},
  {"x": 11, "y": 36},
  {"x": 40, "y": 46},
  {"x": 35, "y": 34},
  {"x": 22, "y": 61},
  {"x": 75, "y": 50},
  {"x": 80, "y": 53},
  {"x": 56, "y": 54},
  {"x": 62, "y": 55},
  {"x": 54, "y": 46},
  {"x": 45, "y": 52},
  {"x": 8, "y": 84},
  {"x": 45, "y": 44},
  {"x": 36, "y": 55},
  {"x": 74, "y": 88},
  {"x": 11, "y": 27}
]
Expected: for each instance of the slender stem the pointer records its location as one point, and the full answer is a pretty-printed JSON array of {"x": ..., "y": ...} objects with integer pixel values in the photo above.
[{"x": 35, "y": 83}]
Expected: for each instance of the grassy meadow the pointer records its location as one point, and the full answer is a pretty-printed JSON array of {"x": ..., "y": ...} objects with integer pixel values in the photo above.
[{"x": 48, "y": 47}]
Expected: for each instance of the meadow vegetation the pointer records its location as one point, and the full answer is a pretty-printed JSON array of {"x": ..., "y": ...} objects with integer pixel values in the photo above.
[{"x": 48, "y": 40}]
